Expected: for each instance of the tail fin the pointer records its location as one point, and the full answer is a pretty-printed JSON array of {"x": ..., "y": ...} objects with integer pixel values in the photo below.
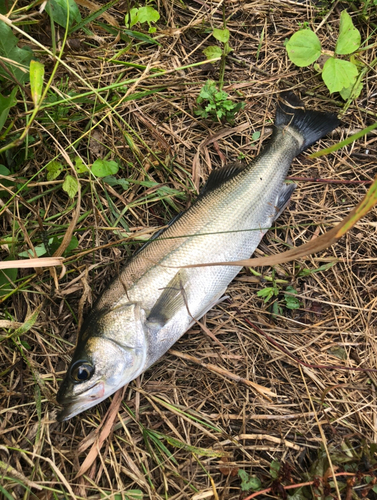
[{"x": 310, "y": 125}]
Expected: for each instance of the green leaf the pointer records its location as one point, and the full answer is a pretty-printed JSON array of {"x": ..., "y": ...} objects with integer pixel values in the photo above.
[
  {"x": 338, "y": 74},
  {"x": 291, "y": 302},
  {"x": 349, "y": 37},
  {"x": 5, "y": 286},
  {"x": 39, "y": 250},
  {"x": 73, "y": 244},
  {"x": 141, "y": 15},
  {"x": 5, "y": 104},
  {"x": 54, "y": 169},
  {"x": 352, "y": 92},
  {"x": 256, "y": 135},
  {"x": 132, "y": 17},
  {"x": 4, "y": 170},
  {"x": 102, "y": 168},
  {"x": 9, "y": 50},
  {"x": 324, "y": 267},
  {"x": 274, "y": 469},
  {"x": 207, "y": 91},
  {"x": 303, "y": 48},
  {"x": 148, "y": 15},
  {"x": 37, "y": 71},
  {"x": 70, "y": 185},
  {"x": 248, "y": 482},
  {"x": 57, "y": 10},
  {"x": 221, "y": 35},
  {"x": 212, "y": 52},
  {"x": 113, "y": 181},
  {"x": 267, "y": 293},
  {"x": 80, "y": 166}
]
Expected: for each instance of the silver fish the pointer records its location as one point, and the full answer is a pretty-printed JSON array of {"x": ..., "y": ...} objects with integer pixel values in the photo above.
[{"x": 153, "y": 301}]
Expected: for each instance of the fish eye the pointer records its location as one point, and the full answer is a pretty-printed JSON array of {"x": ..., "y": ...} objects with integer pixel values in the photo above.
[{"x": 81, "y": 371}]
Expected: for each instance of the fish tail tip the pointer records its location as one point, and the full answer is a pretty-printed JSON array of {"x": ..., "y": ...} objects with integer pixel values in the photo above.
[{"x": 310, "y": 124}]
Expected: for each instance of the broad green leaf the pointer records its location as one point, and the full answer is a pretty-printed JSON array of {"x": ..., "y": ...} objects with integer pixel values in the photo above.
[
  {"x": 113, "y": 181},
  {"x": 349, "y": 37},
  {"x": 102, "y": 168},
  {"x": 9, "y": 50},
  {"x": 73, "y": 244},
  {"x": 352, "y": 92},
  {"x": 70, "y": 185},
  {"x": 5, "y": 276},
  {"x": 249, "y": 482},
  {"x": 338, "y": 74},
  {"x": 39, "y": 250},
  {"x": 267, "y": 293},
  {"x": 54, "y": 169},
  {"x": 5, "y": 104},
  {"x": 141, "y": 15},
  {"x": 80, "y": 166},
  {"x": 37, "y": 71},
  {"x": 256, "y": 135},
  {"x": 57, "y": 10},
  {"x": 221, "y": 35},
  {"x": 274, "y": 469},
  {"x": 212, "y": 52},
  {"x": 4, "y": 170},
  {"x": 148, "y": 15},
  {"x": 303, "y": 48},
  {"x": 132, "y": 17}
]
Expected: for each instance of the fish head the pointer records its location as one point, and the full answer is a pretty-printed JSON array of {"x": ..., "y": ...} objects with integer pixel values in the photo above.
[{"x": 110, "y": 352}]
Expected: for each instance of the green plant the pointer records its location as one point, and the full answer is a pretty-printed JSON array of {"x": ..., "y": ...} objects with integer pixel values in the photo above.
[
  {"x": 249, "y": 482},
  {"x": 288, "y": 300},
  {"x": 100, "y": 168},
  {"x": 216, "y": 103},
  {"x": 339, "y": 75},
  {"x": 142, "y": 15},
  {"x": 215, "y": 52}
]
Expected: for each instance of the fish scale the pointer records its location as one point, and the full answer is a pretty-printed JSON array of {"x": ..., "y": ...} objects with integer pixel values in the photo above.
[{"x": 155, "y": 299}]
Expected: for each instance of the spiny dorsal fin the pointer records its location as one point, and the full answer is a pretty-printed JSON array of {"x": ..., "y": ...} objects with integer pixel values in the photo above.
[{"x": 221, "y": 175}]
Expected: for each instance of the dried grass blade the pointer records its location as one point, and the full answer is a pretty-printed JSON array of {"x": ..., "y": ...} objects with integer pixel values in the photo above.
[
  {"x": 263, "y": 391},
  {"x": 106, "y": 429},
  {"x": 26, "y": 263}
]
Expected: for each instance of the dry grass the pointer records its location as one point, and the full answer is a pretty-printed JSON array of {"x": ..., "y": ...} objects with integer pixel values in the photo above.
[{"x": 166, "y": 437}]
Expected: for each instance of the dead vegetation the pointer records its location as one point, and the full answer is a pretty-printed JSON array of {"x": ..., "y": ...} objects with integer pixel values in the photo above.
[{"x": 184, "y": 429}]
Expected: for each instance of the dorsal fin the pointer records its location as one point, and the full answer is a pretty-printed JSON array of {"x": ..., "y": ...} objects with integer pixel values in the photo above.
[{"x": 221, "y": 175}]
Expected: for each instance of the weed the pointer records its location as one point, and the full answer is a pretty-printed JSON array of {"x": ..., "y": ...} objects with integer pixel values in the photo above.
[
  {"x": 217, "y": 105},
  {"x": 142, "y": 15},
  {"x": 249, "y": 482},
  {"x": 339, "y": 75},
  {"x": 288, "y": 299}
]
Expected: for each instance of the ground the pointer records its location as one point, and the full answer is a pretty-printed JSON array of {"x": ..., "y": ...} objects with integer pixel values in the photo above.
[{"x": 191, "y": 424}]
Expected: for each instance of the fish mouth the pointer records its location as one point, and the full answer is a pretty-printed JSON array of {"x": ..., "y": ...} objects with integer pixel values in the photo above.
[{"x": 73, "y": 405}]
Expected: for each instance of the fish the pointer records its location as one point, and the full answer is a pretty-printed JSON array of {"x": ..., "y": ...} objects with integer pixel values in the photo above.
[{"x": 155, "y": 299}]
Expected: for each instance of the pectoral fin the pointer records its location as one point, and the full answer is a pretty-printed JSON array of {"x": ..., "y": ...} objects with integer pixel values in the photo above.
[
  {"x": 283, "y": 199},
  {"x": 171, "y": 300}
]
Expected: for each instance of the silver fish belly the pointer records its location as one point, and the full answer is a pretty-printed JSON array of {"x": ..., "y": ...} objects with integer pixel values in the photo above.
[{"x": 154, "y": 301}]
